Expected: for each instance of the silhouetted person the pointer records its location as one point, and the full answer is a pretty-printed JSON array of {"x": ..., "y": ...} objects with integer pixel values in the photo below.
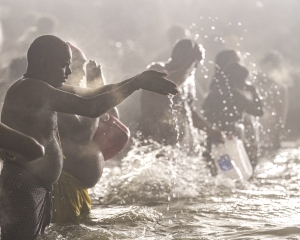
[
  {"x": 31, "y": 107},
  {"x": 84, "y": 162},
  {"x": 158, "y": 123},
  {"x": 226, "y": 104}
]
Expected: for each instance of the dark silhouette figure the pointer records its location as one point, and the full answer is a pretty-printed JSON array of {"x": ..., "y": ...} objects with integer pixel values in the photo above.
[
  {"x": 227, "y": 103},
  {"x": 31, "y": 105},
  {"x": 159, "y": 123}
]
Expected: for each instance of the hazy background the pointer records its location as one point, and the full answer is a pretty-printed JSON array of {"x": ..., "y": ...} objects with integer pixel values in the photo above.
[{"x": 124, "y": 36}]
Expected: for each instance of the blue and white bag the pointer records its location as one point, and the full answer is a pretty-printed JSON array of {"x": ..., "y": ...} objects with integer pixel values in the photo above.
[{"x": 232, "y": 160}]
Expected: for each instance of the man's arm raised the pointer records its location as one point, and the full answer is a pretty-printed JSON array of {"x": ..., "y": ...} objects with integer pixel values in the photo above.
[
  {"x": 61, "y": 101},
  {"x": 157, "y": 84}
]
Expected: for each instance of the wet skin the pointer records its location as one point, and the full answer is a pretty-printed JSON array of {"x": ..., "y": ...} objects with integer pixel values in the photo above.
[{"x": 32, "y": 103}]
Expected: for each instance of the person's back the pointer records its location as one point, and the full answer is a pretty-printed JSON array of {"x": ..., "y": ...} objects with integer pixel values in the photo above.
[{"x": 227, "y": 101}]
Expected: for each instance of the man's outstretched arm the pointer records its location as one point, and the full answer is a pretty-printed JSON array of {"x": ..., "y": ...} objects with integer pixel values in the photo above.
[
  {"x": 43, "y": 95},
  {"x": 157, "y": 84}
]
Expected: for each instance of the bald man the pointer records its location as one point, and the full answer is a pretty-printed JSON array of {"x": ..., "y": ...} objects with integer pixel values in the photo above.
[
  {"x": 83, "y": 164},
  {"x": 30, "y": 106}
]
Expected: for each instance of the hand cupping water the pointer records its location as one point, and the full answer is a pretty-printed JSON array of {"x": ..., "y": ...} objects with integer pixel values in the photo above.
[{"x": 155, "y": 81}]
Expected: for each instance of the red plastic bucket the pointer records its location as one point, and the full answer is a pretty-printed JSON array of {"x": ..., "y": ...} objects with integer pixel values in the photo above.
[{"x": 111, "y": 136}]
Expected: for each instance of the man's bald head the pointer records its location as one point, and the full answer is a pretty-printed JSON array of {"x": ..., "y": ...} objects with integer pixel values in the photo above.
[
  {"x": 49, "y": 60},
  {"x": 47, "y": 47}
]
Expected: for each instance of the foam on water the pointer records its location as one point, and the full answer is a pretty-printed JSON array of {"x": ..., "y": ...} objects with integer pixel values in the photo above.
[{"x": 148, "y": 173}]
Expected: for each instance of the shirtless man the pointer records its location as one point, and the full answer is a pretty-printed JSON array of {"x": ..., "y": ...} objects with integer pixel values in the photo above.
[
  {"x": 159, "y": 126},
  {"x": 83, "y": 164},
  {"x": 31, "y": 106}
]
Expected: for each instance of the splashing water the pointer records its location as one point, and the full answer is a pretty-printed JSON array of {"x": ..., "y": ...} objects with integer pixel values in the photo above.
[
  {"x": 164, "y": 192},
  {"x": 130, "y": 202}
]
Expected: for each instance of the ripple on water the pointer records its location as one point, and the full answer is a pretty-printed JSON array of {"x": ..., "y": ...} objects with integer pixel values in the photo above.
[{"x": 139, "y": 200}]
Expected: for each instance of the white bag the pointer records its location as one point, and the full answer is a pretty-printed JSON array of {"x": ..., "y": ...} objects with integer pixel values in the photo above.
[{"x": 232, "y": 159}]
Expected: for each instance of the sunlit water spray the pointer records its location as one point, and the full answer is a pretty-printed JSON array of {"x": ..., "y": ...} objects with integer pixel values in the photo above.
[
  {"x": 175, "y": 122},
  {"x": 129, "y": 201}
]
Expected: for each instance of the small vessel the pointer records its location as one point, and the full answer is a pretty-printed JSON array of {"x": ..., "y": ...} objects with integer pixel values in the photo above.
[
  {"x": 111, "y": 136},
  {"x": 231, "y": 159}
]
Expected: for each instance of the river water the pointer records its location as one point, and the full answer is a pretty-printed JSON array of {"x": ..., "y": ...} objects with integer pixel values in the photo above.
[{"x": 163, "y": 193}]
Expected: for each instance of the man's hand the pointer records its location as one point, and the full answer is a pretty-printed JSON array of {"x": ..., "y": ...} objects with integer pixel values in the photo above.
[
  {"x": 155, "y": 82},
  {"x": 93, "y": 71}
]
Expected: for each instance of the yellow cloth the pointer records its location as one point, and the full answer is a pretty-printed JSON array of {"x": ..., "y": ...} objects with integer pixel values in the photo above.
[{"x": 70, "y": 199}]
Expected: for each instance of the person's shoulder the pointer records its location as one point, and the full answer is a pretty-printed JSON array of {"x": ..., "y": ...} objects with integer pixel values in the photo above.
[
  {"x": 157, "y": 66},
  {"x": 32, "y": 83},
  {"x": 29, "y": 87}
]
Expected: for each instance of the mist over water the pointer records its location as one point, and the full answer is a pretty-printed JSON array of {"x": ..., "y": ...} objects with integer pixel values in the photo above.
[
  {"x": 138, "y": 200},
  {"x": 163, "y": 192}
]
